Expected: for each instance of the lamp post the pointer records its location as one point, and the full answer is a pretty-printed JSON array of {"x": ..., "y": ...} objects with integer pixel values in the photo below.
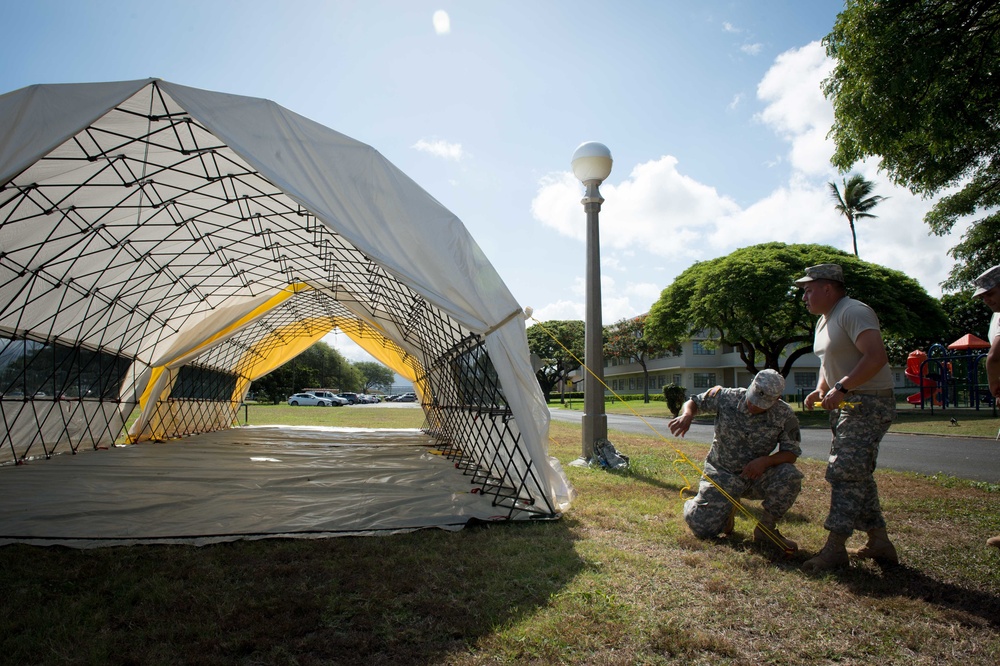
[{"x": 592, "y": 165}]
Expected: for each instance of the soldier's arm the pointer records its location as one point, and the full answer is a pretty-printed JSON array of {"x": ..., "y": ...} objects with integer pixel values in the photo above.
[
  {"x": 789, "y": 450},
  {"x": 993, "y": 367},
  {"x": 680, "y": 425}
]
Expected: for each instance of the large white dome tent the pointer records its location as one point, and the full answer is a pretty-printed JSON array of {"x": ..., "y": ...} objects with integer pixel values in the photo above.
[{"x": 163, "y": 246}]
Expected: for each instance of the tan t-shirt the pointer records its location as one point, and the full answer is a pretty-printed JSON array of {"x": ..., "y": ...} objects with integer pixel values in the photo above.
[{"x": 834, "y": 343}]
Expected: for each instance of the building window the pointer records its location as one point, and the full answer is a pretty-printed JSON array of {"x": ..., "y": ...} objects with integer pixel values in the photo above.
[
  {"x": 805, "y": 379},
  {"x": 677, "y": 380},
  {"x": 704, "y": 380},
  {"x": 699, "y": 349}
]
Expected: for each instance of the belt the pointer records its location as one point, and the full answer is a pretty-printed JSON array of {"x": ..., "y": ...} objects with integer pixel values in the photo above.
[{"x": 882, "y": 393}]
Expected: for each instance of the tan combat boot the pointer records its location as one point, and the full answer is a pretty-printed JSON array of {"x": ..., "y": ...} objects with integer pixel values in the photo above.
[
  {"x": 833, "y": 555},
  {"x": 730, "y": 522},
  {"x": 878, "y": 548},
  {"x": 993, "y": 541},
  {"x": 768, "y": 522}
]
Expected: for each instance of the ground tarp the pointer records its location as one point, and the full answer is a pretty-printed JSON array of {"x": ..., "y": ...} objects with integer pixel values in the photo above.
[{"x": 251, "y": 482}]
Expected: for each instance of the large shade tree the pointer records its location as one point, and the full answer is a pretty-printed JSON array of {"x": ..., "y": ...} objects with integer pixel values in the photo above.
[
  {"x": 855, "y": 202},
  {"x": 747, "y": 299},
  {"x": 374, "y": 375},
  {"x": 915, "y": 83},
  {"x": 554, "y": 354}
]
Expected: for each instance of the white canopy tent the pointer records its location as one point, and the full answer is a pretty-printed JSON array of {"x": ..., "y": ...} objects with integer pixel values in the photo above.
[{"x": 162, "y": 246}]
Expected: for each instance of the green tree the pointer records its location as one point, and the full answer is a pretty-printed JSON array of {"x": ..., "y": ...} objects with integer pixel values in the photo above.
[
  {"x": 374, "y": 375},
  {"x": 915, "y": 83},
  {"x": 747, "y": 300},
  {"x": 319, "y": 366},
  {"x": 855, "y": 201},
  {"x": 626, "y": 341},
  {"x": 556, "y": 356}
]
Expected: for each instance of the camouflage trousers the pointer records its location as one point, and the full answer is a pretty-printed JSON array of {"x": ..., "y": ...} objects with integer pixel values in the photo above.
[
  {"x": 857, "y": 432},
  {"x": 706, "y": 513}
]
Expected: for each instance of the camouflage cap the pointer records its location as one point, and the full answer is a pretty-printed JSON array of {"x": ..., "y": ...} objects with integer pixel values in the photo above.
[
  {"x": 765, "y": 389},
  {"x": 822, "y": 272},
  {"x": 987, "y": 280}
]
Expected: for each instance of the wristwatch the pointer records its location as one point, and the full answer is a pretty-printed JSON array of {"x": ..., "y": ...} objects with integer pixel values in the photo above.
[{"x": 840, "y": 387}]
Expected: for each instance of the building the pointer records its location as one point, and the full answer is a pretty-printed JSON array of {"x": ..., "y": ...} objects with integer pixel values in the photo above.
[{"x": 703, "y": 364}]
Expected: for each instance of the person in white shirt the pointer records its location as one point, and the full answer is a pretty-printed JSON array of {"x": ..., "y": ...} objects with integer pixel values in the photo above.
[
  {"x": 988, "y": 289},
  {"x": 856, "y": 388}
]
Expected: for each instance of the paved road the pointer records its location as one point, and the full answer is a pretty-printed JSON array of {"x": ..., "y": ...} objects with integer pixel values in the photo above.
[{"x": 972, "y": 458}]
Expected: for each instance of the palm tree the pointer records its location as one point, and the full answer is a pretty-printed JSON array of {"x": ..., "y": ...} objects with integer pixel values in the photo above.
[{"x": 856, "y": 201}]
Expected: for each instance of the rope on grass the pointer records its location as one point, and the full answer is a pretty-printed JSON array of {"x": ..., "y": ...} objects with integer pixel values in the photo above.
[{"x": 682, "y": 458}]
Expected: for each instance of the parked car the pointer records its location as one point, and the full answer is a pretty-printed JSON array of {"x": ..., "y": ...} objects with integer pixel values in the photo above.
[
  {"x": 407, "y": 397},
  {"x": 335, "y": 399},
  {"x": 308, "y": 399},
  {"x": 350, "y": 397}
]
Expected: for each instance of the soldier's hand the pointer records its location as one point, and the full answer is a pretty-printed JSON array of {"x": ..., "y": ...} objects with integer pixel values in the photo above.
[
  {"x": 680, "y": 425},
  {"x": 812, "y": 398},
  {"x": 754, "y": 468}
]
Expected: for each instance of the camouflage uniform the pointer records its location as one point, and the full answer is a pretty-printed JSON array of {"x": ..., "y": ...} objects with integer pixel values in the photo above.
[
  {"x": 857, "y": 431},
  {"x": 739, "y": 438}
]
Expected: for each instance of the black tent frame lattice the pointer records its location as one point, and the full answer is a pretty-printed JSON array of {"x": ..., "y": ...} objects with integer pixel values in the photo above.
[{"x": 144, "y": 224}]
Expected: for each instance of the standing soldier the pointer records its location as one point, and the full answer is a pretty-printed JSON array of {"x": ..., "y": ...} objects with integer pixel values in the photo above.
[
  {"x": 988, "y": 289},
  {"x": 750, "y": 424},
  {"x": 855, "y": 386}
]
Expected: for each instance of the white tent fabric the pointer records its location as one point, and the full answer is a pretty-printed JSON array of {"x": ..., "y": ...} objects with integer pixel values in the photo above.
[{"x": 164, "y": 246}]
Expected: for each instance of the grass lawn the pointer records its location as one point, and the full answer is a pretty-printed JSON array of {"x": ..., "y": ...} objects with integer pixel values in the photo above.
[{"x": 618, "y": 580}]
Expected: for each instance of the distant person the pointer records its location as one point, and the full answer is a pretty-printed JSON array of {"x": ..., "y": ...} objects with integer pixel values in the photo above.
[
  {"x": 856, "y": 387},
  {"x": 750, "y": 424},
  {"x": 988, "y": 289}
]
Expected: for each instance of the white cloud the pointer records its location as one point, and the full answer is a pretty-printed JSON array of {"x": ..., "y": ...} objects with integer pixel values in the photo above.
[
  {"x": 795, "y": 106},
  {"x": 752, "y": 49},
  {"x": 729, "y": 27},
  {"x": 442, "y": 22},
  {"x": 655, "y": 209},
  {"x": 736, "y": 101},
  {"x": 668, "y": 220},
  {"x": 617, "y": 302},
  {"x": 440, "y": 148},
  {"x": 560, "y": 310},
  {"x": 348, "y": 348}
]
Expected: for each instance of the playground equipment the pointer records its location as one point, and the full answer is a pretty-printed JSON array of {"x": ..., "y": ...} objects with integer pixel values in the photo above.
[
  {"x": 952, "y": 376},
  {"x": 917, "y": 372}
]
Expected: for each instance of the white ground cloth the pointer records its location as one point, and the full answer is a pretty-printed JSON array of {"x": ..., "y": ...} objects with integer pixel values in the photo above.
[{"x": 244, "y": 483}]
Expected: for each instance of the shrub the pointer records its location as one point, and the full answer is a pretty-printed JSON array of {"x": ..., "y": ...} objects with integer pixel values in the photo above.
[{"x": 674, "y": 396}]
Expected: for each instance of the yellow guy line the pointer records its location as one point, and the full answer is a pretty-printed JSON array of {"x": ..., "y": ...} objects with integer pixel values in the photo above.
[{"x": 682, "y": 457}]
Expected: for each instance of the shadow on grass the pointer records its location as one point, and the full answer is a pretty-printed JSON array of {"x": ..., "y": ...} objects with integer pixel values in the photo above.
[
  {"x": 904, "y": 581},
  {"x": 408, "y": 598}
]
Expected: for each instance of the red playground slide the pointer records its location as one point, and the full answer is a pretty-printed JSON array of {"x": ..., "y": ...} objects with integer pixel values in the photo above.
[{"x": 929, "y": 391}]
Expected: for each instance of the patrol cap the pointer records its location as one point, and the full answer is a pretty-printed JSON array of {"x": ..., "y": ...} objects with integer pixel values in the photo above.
[
  {"x": 765, "y": 389},
  {"x": 987, "y": 280},
  {"x": 822, "y": 272}
]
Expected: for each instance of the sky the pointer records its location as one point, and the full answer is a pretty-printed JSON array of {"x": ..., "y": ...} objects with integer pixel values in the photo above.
[{"x": 712, "y": 111}]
